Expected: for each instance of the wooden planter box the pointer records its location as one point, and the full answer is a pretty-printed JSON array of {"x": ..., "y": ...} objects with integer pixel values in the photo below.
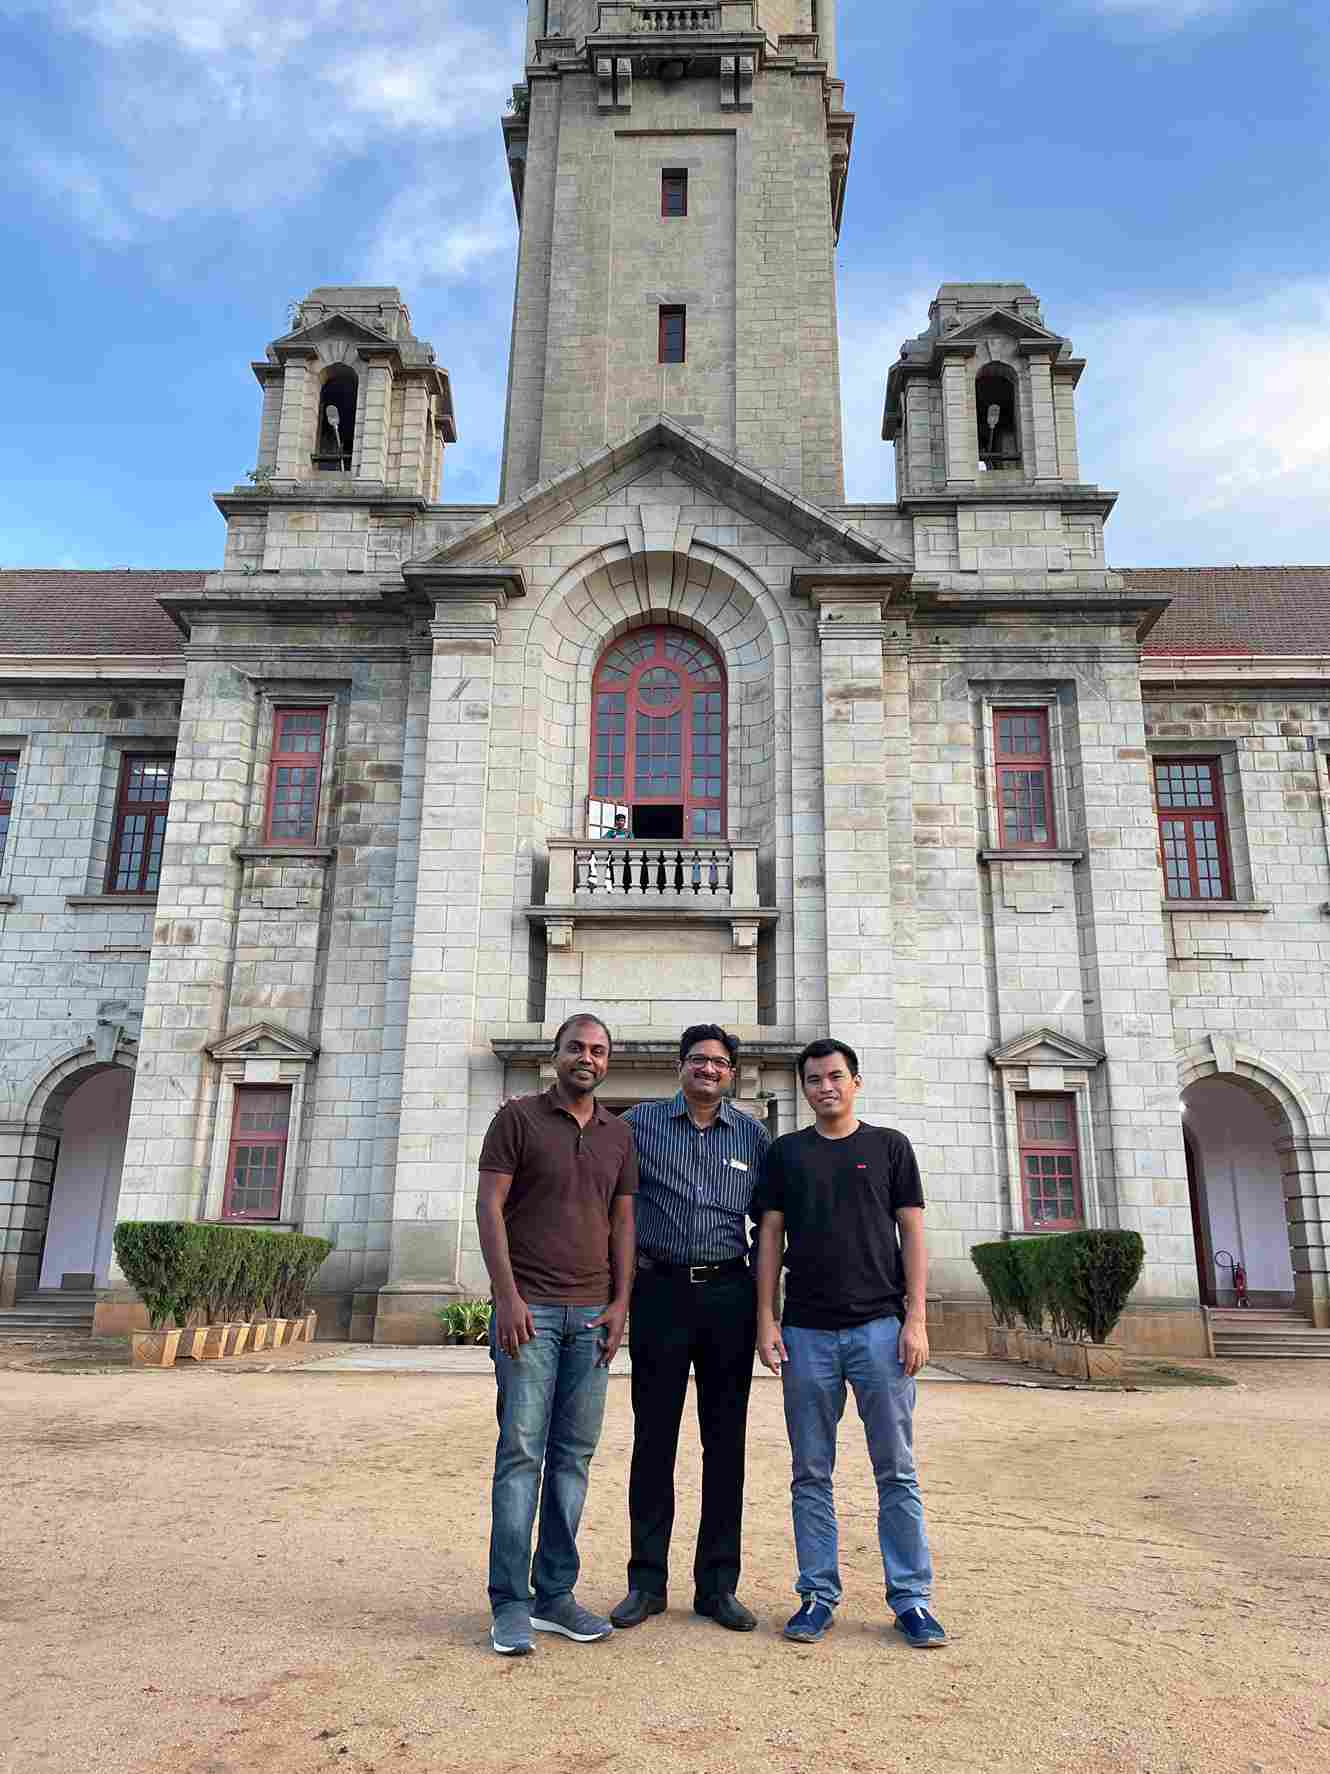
[
  {"x": 281, "y": 1328},
  {"x": 259, "y": 1334},
  {"x": 214, "y": 1342},
  {"x": 1103, "y": 1363},
  {"x": 1039, "y": 1350},
  {"x": 311, "y": 1325},
  {"x": 237, "y": 1338},
  {"x": 999, "y": 1343},
  {"x": 154, "y": 1348},
  {"x": 1069, "y": 1359}
]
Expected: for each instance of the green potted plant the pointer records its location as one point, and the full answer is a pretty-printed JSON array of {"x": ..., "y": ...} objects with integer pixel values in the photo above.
[
  {"x": 994, "y": 1262},
  {"x": 156, "y": 1258},
  {"x": 1101, "y": 1270}
]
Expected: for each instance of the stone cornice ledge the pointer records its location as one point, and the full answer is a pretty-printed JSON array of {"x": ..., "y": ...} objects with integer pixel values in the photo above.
[
  {"x": 321, "y": 853},
  {"x": 617, "y": 912},
  {"x": 1228, "y": 908},
  {"x": 117, "y": 902},
  {"x": 1032, "y": 856}
]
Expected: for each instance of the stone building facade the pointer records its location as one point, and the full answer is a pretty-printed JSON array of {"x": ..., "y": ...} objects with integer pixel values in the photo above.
[{"x": 312, "y": 848}]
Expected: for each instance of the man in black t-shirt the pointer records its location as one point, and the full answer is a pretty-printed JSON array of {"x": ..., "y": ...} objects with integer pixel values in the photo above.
[{"x": 843, "y": 1202}]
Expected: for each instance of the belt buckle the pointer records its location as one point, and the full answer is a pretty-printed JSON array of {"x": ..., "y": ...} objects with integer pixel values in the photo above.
[{"x": 698, "y": 1272}]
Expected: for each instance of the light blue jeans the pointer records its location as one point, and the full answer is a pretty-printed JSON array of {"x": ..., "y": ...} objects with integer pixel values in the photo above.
[
  {"x": 820, "y": 1365},
  {"x": 551, "y": 1404}
]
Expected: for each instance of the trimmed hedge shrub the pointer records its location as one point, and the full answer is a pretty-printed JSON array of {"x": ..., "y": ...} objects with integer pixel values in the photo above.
[
  {"x": 994, "y": 1263},
  {"x": 1082, "y": 1280},
  {"x": 179, "y": 1267}
]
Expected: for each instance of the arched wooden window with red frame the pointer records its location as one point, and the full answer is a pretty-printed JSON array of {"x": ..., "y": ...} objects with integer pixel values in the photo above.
[{"x": 658, "y": 729}]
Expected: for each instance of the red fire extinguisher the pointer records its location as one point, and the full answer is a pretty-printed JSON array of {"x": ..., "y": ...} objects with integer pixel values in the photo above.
[{"x": 1239, "y": 1275}]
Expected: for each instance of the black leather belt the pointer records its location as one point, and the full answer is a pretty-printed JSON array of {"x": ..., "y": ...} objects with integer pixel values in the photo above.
[{"x": 694, "y": 1272}]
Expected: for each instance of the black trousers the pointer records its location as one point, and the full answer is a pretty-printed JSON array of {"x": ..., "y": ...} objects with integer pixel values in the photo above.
[{"x": 712, "y": 1328}]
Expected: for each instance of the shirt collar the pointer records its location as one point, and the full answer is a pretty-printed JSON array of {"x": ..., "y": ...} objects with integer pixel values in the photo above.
[
  {"x": 599, "y": 1115},
  {"x": 725, "y": 1113}
]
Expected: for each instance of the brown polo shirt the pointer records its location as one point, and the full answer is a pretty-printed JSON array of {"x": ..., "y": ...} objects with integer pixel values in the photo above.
[{"x": 558, "y": 1209}]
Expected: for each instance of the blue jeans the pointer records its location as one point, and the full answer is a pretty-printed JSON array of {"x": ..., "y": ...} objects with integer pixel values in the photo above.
[
  {"x": 551, "y": 1404},
  {"x": 815, "y": 1376}
]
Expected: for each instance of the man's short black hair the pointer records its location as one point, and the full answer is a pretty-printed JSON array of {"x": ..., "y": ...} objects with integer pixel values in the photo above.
[
  {"x": 708, "y": 1032},
  {"x": 582, "y": 1016},
  {"x": 823, "y": 1050}
]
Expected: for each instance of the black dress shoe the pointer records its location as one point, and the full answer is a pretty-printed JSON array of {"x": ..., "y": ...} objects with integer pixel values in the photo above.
[
  {"x": 727, "y": 1611},
  {"x": 638, "y": 1605}
]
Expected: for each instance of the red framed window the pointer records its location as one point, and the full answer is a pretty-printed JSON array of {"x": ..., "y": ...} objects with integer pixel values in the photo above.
[
  {"x": 1193, "y": 840},
  {"x": 673, "y": 335},
  {"x": 142, "y": 801},
  {"x": 674, "y": 192},
  {"x": 294, "y": 775},
  {"x": 1050, "y": 1162},
  {"x": 658, "y": 733},
  {"x": 8, "y": 780},
  {"x": 1024, "y": 763},
  {"x": 256, "y": 1162}
]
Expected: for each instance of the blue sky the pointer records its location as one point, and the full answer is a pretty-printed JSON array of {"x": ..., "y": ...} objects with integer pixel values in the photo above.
[{"x": 176, "y": 171}]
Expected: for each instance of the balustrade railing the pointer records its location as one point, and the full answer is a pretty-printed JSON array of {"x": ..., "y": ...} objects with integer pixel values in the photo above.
[
  {"x": 676, "y": 18},
  {"x": 643, "y": 870}
]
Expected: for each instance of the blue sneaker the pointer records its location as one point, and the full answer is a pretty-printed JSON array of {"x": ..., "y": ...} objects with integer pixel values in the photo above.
[
  {"x": 922, "y": 1630},
  {"x": 813, "y": 1620}
]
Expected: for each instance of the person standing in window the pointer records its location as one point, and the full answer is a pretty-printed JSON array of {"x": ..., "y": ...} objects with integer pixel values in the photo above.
[
  {"x": 693, "y": 1307},
  {"x": 843, "y": 1200},
  {"x": 557, "y": 1179},
  {"x": 620, "y": 827}
]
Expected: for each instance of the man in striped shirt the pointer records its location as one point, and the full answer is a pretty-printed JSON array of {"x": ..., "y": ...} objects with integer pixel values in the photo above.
[{"x": 693, "y": 1306}]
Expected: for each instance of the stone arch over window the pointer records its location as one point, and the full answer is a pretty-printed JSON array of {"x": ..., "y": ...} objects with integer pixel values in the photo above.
[
  {"x": 998, "y": 412},
  {"x": 335, "y": 429},
  {"x": 658, "y": 733}
]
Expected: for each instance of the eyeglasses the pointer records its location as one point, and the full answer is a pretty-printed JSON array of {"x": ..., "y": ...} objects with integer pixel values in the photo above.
[{"x": 706, "y": 1063}]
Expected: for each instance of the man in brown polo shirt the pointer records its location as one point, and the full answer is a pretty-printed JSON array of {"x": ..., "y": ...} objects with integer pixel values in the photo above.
[{"x": 557, "y": 1179}]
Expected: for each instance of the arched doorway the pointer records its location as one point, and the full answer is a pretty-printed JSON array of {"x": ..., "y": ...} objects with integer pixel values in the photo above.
[
  {"x": 94, "y": 1122},
  {"x": 1233, "y": 1132}
]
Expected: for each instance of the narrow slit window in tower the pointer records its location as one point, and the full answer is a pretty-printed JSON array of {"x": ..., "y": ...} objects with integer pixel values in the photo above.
[
  {"x": 673, "y": 335},
  {"x": 674, "y": 192}
]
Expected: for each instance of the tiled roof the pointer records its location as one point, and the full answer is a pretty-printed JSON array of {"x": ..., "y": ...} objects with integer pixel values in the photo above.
[
  {"x": 47, "y": 611},
  {"x": 1243, "y": 611},
  {"x": 1247, "y": 612}
]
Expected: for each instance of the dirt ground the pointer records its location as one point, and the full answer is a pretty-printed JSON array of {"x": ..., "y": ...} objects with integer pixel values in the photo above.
[{"x": 219, "y": 1572}]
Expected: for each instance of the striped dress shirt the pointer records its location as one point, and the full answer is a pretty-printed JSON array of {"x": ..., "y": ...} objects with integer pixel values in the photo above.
[{"x": 695, "y": 1185}]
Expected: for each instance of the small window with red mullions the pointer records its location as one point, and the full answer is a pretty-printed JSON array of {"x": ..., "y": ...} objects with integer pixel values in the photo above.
[
  {"x": 256, "y": 1163},
  {"x": 1193, "y": 841},
  {"x": 1050, "y": 1162},
  {"x": 295, "y": 774},
  {"x": 8, "y": 780},
  {"x": 674, "y": 193},
  {"x": 142, "y": 802},
  {"x": 673, "y": 335},
  {"x": 1024, "y": 779}
]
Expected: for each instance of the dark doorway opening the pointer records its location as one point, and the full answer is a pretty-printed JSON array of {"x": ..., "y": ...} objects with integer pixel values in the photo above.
[{"x": 657, "y": 822}]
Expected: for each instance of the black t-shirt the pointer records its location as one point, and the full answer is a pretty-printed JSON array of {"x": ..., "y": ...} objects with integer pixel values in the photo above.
[{"x": 840, "y": 1199}]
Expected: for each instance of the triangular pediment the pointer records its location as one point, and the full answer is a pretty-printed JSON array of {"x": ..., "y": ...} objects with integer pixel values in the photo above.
[
  {"x": 336, "y": 323},
  {"x": 1002, "y": 319},
  {"x": 1045, "y": 1047},
  {"x": 262, "y": 1041},
  {"x": 663, "y": 445}
]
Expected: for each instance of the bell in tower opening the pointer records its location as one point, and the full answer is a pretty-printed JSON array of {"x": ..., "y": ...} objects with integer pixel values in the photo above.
[
  {"x": 337, "y": 421},
  {"x": 995, "y": 408}
]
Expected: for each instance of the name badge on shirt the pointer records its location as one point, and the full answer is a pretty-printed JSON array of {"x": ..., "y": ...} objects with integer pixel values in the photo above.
[{"x": 737, "y": 1164}]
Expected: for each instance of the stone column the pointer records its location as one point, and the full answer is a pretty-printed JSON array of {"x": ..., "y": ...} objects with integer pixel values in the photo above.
[
  {"x": 1044, "y": 454},
  {"x": 433, "y": 1162},
  {"x": 292, "y": 443},
  {"x": 27, "y": 1170},
  {"x": 959, "y": 428},
  {"x": 860, "y": 970}
]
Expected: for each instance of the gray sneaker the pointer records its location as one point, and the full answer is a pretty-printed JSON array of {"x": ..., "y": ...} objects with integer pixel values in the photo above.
[
  {"x": 567, "y": 1617},
  {"x": 510, "y": 1634}
]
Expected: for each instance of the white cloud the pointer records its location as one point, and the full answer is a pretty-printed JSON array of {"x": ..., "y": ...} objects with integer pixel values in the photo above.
[
  {"x": 443, "y": 235},
  {"x": 1213, "y": 421},
  {"x": 233, "y": 107}
]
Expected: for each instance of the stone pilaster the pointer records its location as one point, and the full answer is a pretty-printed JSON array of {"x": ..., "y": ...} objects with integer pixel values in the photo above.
[
  {"x": 27, "y": 1170},
  {"x": 860, "y": 971},
  {"x": 1045, "y": 452},
  {"x": 292, "y": 441},
  {"x": 1306, "y": 1167},
  {"x": 377, "y": 423},
  {"x": 430, "y": 1189},
  {"x": 958, "y": 420}
]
